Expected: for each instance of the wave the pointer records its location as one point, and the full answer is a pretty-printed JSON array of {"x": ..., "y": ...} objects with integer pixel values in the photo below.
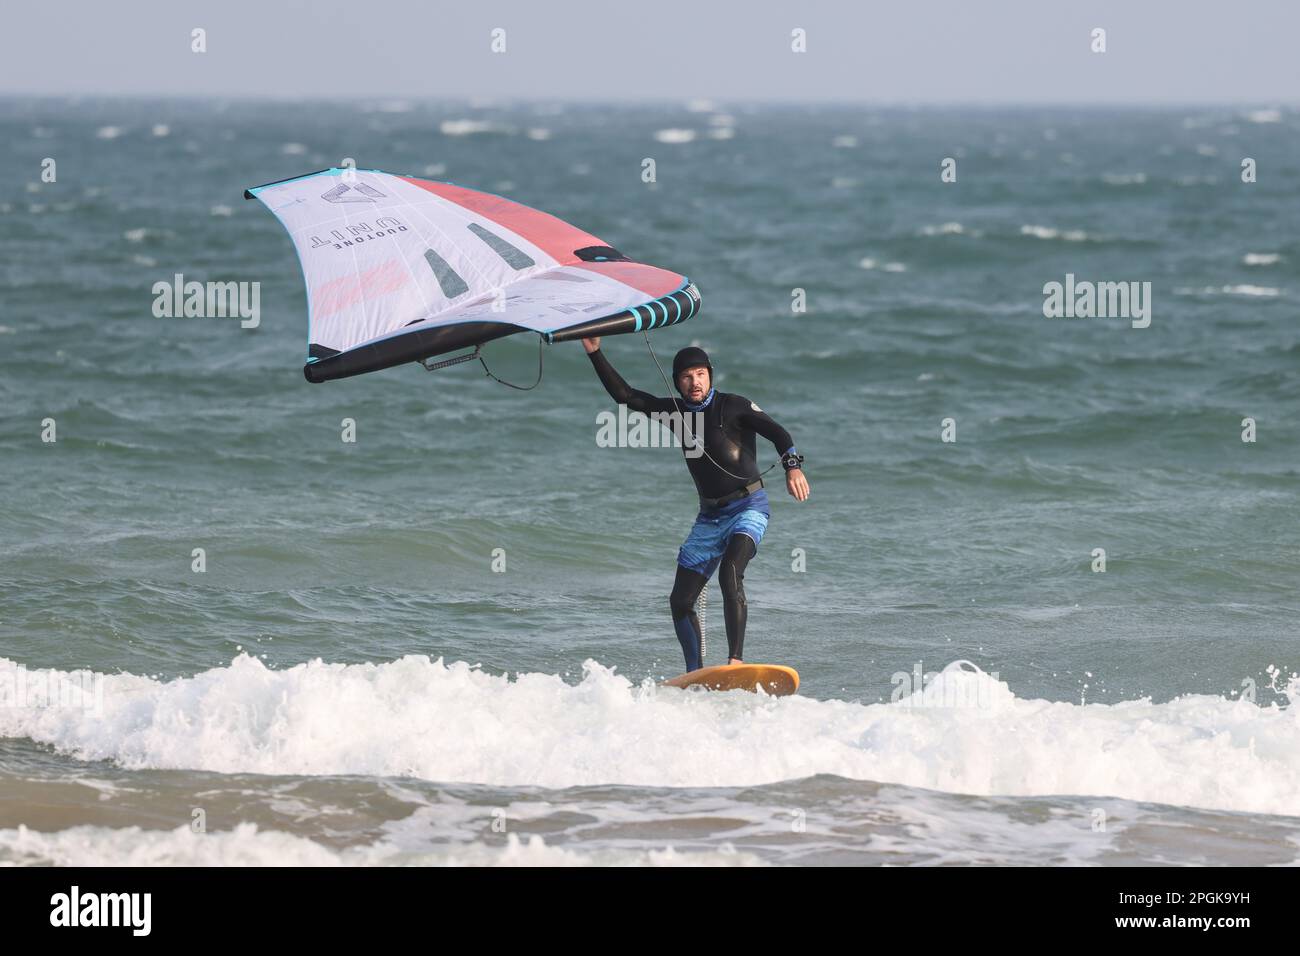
[
  {"x": 965, "y": 732},
  {"x": 246, "y": 845},
  {"x": 1239, "y": 289}
]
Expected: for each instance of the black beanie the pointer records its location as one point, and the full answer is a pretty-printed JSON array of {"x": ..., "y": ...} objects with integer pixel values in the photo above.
[{"x": 691, "y": 357}]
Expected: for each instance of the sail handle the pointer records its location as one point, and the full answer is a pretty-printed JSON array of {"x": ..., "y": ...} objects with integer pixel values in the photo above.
[{"x": 477, "y": 354}]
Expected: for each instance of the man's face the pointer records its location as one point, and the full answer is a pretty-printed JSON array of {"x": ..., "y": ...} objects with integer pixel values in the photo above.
[{"x": 694, "y": 383}]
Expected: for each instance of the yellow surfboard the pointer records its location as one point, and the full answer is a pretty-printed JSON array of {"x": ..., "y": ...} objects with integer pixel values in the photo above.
[{"x": 775, "y": 679}]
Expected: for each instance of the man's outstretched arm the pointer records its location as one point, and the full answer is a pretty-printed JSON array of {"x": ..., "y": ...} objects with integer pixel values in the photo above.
[{"x": 619, "y": 390}]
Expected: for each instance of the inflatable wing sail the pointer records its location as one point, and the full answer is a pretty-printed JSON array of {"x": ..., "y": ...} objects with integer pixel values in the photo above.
[{"x": 401, "y": 269}]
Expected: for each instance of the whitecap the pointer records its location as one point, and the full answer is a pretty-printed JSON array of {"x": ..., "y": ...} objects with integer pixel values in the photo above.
[
  {"x": 464, "y": 127},
  {"x": 675, "y": 135}
]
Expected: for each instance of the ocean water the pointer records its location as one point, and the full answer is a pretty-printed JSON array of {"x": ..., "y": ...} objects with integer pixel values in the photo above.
[{"x": 350, "y": 682}]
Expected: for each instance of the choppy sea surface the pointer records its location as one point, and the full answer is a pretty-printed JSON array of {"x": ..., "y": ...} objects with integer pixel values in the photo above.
[{"x": 349, "y": 681}]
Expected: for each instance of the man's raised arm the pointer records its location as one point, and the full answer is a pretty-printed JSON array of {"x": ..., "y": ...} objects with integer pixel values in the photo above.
[{"x": 619, "y": 390}]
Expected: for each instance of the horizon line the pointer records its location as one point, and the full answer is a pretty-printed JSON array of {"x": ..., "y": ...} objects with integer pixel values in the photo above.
[{"x": 478, "y": 101}]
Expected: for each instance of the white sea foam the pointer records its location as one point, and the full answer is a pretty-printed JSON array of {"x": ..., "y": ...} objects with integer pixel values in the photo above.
[
  {"x": 675, "y": 135},
  {"x": 420, "y": 717},
  {"x": 887, "y": 267},
  {"x": 464, "y": 127},
  {"x": 1124, "y": 179},
  {"x": 1047, "y": 232},
  {"x": 246, "y": 845},
  {"x": 1250, "y": 290},
  {"x": 944, "y": 229}
]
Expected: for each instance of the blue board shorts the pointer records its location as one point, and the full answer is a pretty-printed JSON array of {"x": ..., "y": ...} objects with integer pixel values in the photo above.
[{"x": 712, "y": 531}]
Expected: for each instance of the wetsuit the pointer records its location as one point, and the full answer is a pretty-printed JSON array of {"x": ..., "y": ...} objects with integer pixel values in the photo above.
[{"x": 727, "y": 532}]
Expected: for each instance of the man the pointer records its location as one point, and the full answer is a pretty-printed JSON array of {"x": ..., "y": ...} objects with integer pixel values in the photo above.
[{"x": 734, "y": 508}]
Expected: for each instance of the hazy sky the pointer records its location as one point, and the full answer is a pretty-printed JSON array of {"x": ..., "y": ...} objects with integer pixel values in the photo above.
[{"x": 908, "y": 51}]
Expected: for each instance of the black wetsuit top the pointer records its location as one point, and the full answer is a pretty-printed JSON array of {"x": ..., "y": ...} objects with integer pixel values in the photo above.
[{"x": 730, "y": 422}]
